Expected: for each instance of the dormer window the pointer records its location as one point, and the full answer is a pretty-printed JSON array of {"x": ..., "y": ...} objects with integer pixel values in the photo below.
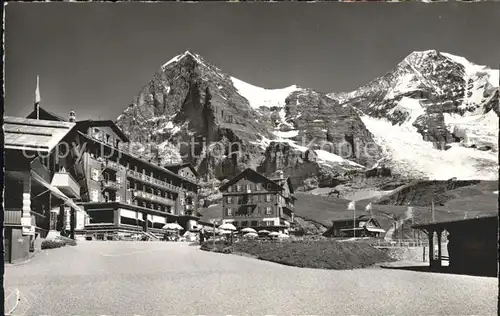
[{"x": 96, "y": 133}]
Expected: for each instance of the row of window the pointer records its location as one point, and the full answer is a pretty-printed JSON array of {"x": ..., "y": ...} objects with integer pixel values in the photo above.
[
  {"x": 249, "y": 199},
  {"x": 248, "y": 187},
  {"x": 268, "y": 210},
  {"x": 118, "y": 180},
  {"x": 95, "y": 174},
  {"x": 252, "y": 223},
  {"x": 94, "y": 197}
]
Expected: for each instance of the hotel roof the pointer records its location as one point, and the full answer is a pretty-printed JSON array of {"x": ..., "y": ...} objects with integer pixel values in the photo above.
[{"x": 34, "y": 135}]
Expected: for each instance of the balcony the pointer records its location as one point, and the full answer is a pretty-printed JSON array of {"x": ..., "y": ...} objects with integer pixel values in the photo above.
[
  {"x": 111, "y": 165},
  {"x": 153, "y": 198},
  {"x": 152, "y": 181},
  {"x": 107, "y": 184},
  {"x": 65, "y": 182}
]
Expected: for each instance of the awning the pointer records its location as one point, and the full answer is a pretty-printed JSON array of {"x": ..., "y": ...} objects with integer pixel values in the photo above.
[
  {"x": 375, "y": 230},
  {"x": 56, "y": 192},
  {"x": 159, "y": 219},
  {"x": 128, "y": 214}
]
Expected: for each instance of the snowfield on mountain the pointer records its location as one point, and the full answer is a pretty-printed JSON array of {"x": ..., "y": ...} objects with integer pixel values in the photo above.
[{"x": 434, "y": 116}]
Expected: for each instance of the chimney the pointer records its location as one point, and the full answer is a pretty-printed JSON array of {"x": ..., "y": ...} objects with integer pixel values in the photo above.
[{"x": 72, "y": 116}]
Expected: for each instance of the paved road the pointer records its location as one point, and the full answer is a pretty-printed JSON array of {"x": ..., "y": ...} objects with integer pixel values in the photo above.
[{"x": 155, "y": 278}]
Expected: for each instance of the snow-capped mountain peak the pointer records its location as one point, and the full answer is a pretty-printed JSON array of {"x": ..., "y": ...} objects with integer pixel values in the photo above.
[
  {"x": 442, "y": 106},
  {"x": 258, "y": 96}
]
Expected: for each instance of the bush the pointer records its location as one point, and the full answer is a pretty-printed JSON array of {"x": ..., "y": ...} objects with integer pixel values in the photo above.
[
  {"x": 221, "y": 246},
  {"x": 51, "y": 244},
  {"x": 66, "y": 241}
]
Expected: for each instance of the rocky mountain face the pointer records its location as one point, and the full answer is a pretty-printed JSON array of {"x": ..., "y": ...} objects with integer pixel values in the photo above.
[
  {"x": 192, "y": 111},
  {"x": 192, "y": 108},
  {"x": 432, "y": 108}
]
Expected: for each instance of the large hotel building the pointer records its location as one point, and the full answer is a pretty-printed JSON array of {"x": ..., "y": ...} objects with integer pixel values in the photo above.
[{"x": 63, "y": 174}]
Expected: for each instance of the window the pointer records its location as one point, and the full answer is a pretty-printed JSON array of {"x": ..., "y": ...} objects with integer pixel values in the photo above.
[
  {"x": 94, "y": 174},
  {"x": 244, "y": 223},
  {"x": 96, "y": 133},
  {"x": 106, "y": 197},
  {"x": 269, "y": 223},
  {"x": 229, "y": 211},
  {"x": 258, "y": 187},
  {"x": 229, "y": 199},
  {"x": 118, "y": 179},
  {"x": 94, "y": 195},
  {"x": 268, "y": 197},
  {"x": 269, "y": 186},
  {"x": 254, "y": 223},
  {"x": 128, "y": 184},
  {"x": 238, "y": 188},
  {"x": 230, "y": 189},
  {"x": 249, "y": 210},
  {"x": 117, "y": 197},
  {"x": 249, "y": 187},
  {"x": 269, "y": 210}
]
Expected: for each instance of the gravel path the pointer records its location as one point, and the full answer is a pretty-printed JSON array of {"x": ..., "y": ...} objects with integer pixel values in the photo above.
[{"x": 155, "y": 278}]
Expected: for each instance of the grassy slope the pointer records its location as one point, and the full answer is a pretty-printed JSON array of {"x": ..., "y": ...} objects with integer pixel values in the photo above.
[
  {"x": 324, "y": 209},
  {"x": 322, "y": 254},
  {"x": 476, "y": 199},
  {"x": 454, "y": 196}
]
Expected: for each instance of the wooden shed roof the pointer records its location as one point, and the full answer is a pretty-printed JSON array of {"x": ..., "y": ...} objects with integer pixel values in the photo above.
[{"x": 35, "y": 135}]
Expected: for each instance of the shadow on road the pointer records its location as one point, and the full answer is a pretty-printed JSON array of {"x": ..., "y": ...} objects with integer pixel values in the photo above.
[{"x": 447, "y": 270}]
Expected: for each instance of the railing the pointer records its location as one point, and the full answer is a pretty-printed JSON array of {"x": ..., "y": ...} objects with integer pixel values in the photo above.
[
  {"x": 400, "y": 243},
  {"x": 112, "y": 165},
  {"x": 154, "y": 198},
  {"x": 111, "y": 185},
  {"x": 150, "y": 180},
  {"x": 12, "y": 217}
]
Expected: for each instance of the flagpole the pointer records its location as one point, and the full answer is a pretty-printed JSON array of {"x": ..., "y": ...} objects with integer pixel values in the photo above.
[{"x": 37, "y": 97}]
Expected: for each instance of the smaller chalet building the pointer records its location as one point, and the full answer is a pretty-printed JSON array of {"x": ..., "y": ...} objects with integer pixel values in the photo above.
[
  {"x": 252, "y": 200},
  {"x": 362, "y": 226}
]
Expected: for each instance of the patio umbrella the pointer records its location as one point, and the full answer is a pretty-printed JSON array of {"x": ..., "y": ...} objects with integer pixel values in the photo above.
[
  {"x": 227, "y": 226},
  {"x": 172, "y": 226},
  {"x": 264, "y": 231},
  {"x": 225, "y": 232},
  {"x": 274, "y": 234},
  {"x": 283, "y": 236},
  {"x": 251, "y": 235},
  {"x": 248, "y": 230}
]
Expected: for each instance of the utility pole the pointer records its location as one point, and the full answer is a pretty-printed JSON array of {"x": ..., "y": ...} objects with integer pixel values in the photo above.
[{"x": 432, "y": 211}]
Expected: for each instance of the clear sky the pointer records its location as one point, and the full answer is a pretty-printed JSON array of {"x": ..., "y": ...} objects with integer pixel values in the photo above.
[{"x": 95, "y": 57}]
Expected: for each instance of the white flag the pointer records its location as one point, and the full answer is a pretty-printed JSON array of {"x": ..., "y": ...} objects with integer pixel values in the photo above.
[
  {"x": 368, "y": 208},
  {"x": 351, "y": 206},
  {"x": 37, "y": 91}
]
